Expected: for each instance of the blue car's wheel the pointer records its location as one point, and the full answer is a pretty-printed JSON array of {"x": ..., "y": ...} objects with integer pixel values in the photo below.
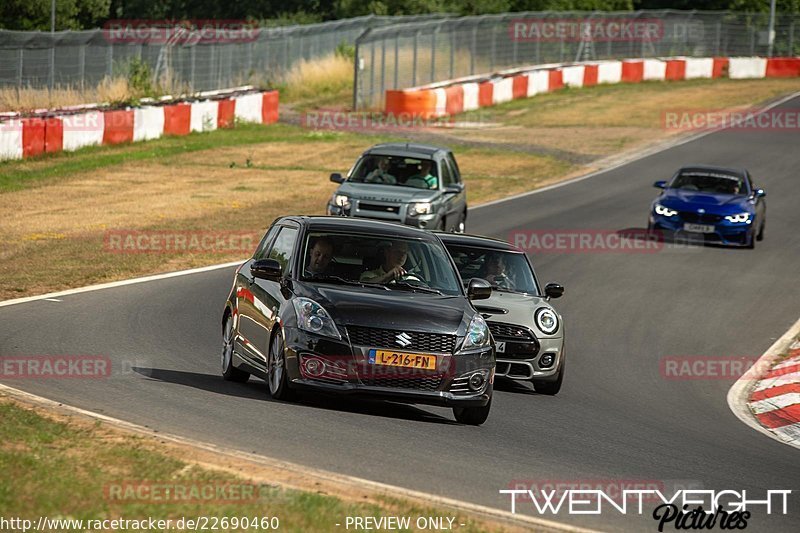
[{"x": 760, "y": 236}]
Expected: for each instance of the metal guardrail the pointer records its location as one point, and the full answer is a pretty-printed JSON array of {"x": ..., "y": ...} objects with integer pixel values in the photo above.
[{"x": 400, "y": 56}]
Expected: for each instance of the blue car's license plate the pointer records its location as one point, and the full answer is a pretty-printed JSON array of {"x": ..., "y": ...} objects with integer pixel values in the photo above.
[{"x": 698, "y": 228}]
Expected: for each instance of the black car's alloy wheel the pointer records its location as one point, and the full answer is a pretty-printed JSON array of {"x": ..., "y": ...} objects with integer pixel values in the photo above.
[
  {"x": 230, "y": 372},
  {"x": 277, "y": 382},
  {"x": 473, "y": 416}
]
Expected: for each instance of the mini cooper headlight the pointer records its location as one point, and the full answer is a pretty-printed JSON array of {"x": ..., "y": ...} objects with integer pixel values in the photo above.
[
  {"x": 738, "y": 219},
  {"x": 314, "y": 318},
  {"x": 421, "y": 208},
  {"x": 341, "y": 200},
  {"x": 665, "y": 211},
  {"x": 477, "y": 334},
  {"x": 546, "y": 320}
]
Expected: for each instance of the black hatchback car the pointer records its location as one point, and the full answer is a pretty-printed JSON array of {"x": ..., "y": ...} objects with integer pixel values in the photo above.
[{"x": 359, "y": 307}]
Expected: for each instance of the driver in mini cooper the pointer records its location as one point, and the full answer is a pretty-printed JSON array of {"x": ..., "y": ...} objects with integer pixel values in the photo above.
[{"x": 394, "y": 257}]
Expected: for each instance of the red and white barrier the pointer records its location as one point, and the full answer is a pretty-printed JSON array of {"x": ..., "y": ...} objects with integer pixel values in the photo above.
[
  {"x": 449, "y": 98},
  {"x": 74, "y": 129}
]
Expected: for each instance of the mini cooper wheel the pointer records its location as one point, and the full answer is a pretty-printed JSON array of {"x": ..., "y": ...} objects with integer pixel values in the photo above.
[
  {"x": 473, "y": 416},
  {"x": 230, "y": 372},
  {"x": 550, "y": 388},
  {"x": 277, "y": 382}
]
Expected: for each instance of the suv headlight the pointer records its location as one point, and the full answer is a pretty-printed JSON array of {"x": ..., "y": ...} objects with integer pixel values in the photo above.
[
  {"x": 477, "y": 334},
  {"x": 421, "y": 208},
  {"x": 341, "y": 200},
  {"x": 546, "y": 320},
  {"x": 314, "y": 318},
  {"x": 665, "y": 211},
  {"x": 738, "y": 219}
]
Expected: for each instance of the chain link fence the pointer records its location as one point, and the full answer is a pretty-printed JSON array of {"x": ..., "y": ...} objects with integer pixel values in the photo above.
[
  {"x": 400, "y": 56},
  {"x": 188, "y": 58}
]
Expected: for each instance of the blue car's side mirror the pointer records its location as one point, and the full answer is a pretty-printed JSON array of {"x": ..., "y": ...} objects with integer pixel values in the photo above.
[
  {"x": 760, "y": 193},
  {"x": 661, "y": 184}
]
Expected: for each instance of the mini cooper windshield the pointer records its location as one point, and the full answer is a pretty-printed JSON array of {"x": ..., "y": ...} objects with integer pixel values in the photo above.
[
  {"x": 506, "y": 271},
  {"x": 375, "y": 261}
]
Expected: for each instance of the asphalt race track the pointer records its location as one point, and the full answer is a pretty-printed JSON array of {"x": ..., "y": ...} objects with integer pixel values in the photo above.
[{"x": 617, "y": 419}]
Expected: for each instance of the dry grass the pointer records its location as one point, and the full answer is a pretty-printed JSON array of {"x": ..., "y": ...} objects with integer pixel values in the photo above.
[
  {"x": 319, "y": 81},
  {"x": 109, "y": 91}
]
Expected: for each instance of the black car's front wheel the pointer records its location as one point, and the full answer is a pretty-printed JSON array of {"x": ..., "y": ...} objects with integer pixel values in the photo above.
[
  {"x": 230, "y": 372},
  {"x": 277, "y": 382},
  {"x": 473, "y": 416}
]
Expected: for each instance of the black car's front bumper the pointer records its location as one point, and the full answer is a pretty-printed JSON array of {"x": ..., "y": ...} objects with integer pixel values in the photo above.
[{"x": 347, "y": 371}]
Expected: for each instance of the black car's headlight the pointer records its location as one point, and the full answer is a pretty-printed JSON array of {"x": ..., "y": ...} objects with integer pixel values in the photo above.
[
  {"x": 313, "y": 318},
  {"x": 546, "y": 320},
  {"x": 477, "y": 334}
]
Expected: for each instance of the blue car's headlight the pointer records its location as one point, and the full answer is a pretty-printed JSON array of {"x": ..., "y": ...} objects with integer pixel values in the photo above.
[
  {"x": 665, "y": 211},
  {"x": 738, "y": 219},
  {"x": 314, "y": 318},
  {"x": 477, "y": 334}
]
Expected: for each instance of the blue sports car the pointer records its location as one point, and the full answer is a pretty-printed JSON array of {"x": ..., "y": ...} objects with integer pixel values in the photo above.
[{"x": 718, "y": 205}]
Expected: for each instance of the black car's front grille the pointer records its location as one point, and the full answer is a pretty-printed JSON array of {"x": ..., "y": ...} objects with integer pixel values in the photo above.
[
  {"x": 401, "y": 340},
  {"x": 380, "y": 208},
  {"x": 414, "y": 383},
  {"x": 509, "y": 331},
  {"x": 699, "y": 218}
]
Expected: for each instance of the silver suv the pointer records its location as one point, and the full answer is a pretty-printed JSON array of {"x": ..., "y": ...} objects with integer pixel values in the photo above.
[{"x": 414, "y": 184}]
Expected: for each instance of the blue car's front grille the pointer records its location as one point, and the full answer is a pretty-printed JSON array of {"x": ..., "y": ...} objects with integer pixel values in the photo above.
[{"x": 699, "y": 218}]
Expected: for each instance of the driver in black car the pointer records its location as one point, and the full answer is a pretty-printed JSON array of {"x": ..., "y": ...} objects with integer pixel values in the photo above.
[
  {"x": 394, "y": 257},
  {"x": 320, "y": 253}
]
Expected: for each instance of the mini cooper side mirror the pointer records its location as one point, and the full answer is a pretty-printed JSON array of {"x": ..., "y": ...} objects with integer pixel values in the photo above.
[
  {"x": 760, "y": 193},
  {"x": 337, "y": 178},
  {"x": 478, "y": 289},
  {"x": 553, "y": 290},
  {"x": 660, "y": 184},
  {"x": 268, "y": 269}
]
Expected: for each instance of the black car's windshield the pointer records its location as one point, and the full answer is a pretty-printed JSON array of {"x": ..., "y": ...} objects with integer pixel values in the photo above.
[
  {"x": 506, "y": 271},
  {"x": 394, "y": 170},
  {"x": 710, "y": 182},
  {"x": 382, "y": 261}
]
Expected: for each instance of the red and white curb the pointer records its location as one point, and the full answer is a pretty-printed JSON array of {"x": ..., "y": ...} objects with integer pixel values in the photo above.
[
  {"x": 768, "y": 397},
  {"x": 73, "y": 128}
]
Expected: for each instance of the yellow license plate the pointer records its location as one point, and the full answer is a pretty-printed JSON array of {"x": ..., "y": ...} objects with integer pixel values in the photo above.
[{"x": 408, "y": 360}]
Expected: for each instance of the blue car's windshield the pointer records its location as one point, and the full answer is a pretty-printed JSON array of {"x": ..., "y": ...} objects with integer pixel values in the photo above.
[{"x": 710, "y": 182}]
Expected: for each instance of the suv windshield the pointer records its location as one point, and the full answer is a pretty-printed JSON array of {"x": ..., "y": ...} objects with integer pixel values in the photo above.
[
  {"x": 375, "y": 260},
  {"x": 711, "y": 182},
  {"x": 394, "y": 170},
  {"x": 506, "y": 271}
]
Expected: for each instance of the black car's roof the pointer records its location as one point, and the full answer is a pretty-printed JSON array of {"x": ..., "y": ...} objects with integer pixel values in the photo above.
[
  {"x": 476, "y": 240},
  {"x": 412, "y": 149},
  {"x": 338, "y": 223},
  {"x": 740, "y": 172}
]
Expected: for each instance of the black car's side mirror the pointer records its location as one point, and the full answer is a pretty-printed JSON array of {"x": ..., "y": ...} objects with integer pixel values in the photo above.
[
  {"x": 478, "y": 289},
  {"x": 268, "y": 269},
  {"x": 553, "y": 290},
  {"x": 337, "y": 178},
  {"x": 760, "y": 193},
  {"x": 660, "y": 184}
]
